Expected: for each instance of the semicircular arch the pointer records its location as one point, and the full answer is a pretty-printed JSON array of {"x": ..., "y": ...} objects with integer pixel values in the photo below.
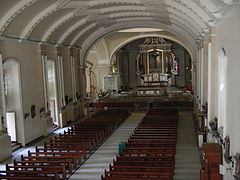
[
  {"x": 124, "y": 42},
  {"x": 182, "y": 38}
]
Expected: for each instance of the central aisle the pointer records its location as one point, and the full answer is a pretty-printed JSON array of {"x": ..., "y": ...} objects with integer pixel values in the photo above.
[{"x": 94, "y": 167}]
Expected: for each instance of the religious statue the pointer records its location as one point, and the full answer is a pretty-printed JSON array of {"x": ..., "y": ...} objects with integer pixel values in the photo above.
[
  {"x": 237, "y": 166},
  {"x": 114, "y": 66},
  {"x": 227, "y": 156}
]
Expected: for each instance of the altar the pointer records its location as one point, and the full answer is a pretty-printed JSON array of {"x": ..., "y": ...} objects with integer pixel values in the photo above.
[{"x": 156, "y": 64}]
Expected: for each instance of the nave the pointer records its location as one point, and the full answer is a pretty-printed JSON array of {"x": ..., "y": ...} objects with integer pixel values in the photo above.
[{"x": 95, "y": 165}]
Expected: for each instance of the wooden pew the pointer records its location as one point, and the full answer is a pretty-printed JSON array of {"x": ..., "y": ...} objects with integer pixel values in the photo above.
[
  {"x": 139, "y": 168},
  {"x": 147, "y": 154},
  {"x": 66, "y": 160},
  {"x": 8, "y": 174},
  {"x": 151, "y": 149},
  {"x": 167, "y": 164},
  {"x": 62, "y": 170},
  {"x": 64, "y": 163},
  {"x": 65, "y": 152},
  {"x": 146, "y": 159},
  {"x": 77, "y": 156},
  {"x": 5, "y": 175},
  {"x": 130, "y": 175},
  {"x": 127, "y": 178}
]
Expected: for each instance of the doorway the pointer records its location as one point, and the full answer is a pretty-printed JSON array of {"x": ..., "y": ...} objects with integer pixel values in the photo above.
[
  {"x": 13, "y": 100},
  {"x": 52, "y": 92}
]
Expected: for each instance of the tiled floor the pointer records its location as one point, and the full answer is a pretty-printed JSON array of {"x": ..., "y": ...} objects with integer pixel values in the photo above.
[{"x": 94, "y": 167}]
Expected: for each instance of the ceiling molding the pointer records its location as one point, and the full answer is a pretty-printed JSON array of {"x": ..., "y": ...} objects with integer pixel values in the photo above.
[
  {"x": 36, "y": 20},
  {"x": 13, "y": 12},
  {"x": 190, "y": 19}
]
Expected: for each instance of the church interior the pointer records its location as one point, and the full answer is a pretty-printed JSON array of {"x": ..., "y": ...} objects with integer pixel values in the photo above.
[{"x": 119, "y": 89}]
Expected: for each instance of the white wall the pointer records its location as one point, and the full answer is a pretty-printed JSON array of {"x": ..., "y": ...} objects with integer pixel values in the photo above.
[
  {"x": 228, "y": 37},
  {"x": 29, "y": 57},
  {"x": 13, "y": 100},
  {"x": 30, "y": 65}
]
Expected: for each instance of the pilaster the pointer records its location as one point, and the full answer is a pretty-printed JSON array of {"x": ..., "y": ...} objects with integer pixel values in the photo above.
[
  {"x": 83, "y": 80},
  {"x": 204, "y": 70},
  {"x": 212, "y": 75},
  {"x": 3, "y": 116}
]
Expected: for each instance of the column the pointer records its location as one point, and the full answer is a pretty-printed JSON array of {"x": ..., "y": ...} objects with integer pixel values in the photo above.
[
  {"x": 60, "y": 77},
  {"x": 204, "y": 88},
  {"x": 212, "y": 76},
  {"x": 91, "y": 81},
  {"x": 198, "y": 77},
  {"x": 209, "y": 80},
  {"x": 44, "y": 111},
  {"x": 61, "y": 89},
  {"x": 145, "y": 62},
  {"x": 83, "y": 80},
  {"x": 84, "y": 109},
  {"x": 2, "y": 102},
  {"x": 44, "y": 78},
  {"x": 78, "y": 74},
  {"x": 194, "y": 83},
  {"x": 194, "y": 77},
  {"x": 202, "y": 78},
  {"x": 73, "y": 74}
]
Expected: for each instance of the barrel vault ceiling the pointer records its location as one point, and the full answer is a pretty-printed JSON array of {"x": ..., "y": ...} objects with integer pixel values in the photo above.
[{"x": 81, "y": 22}]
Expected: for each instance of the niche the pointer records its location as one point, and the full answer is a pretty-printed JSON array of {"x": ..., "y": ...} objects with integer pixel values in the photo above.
[
  {"x": 66, "y": 99},
  {"x": 33, "y": 111}
]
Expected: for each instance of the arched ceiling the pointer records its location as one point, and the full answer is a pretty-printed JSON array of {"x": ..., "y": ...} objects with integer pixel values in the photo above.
[
  {"x": 108, "y": 45},
  {"x": 78, "y": 22}
]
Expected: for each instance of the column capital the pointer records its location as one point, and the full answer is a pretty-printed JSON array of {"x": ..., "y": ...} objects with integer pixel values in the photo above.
[
  {"x": 59, "y": 50},
  {"x": 71, "y": 51},
  {"x": 41, "y": 49},
  {"x": 213, "y": 30},
  {"x": 206, "y": 39}
]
